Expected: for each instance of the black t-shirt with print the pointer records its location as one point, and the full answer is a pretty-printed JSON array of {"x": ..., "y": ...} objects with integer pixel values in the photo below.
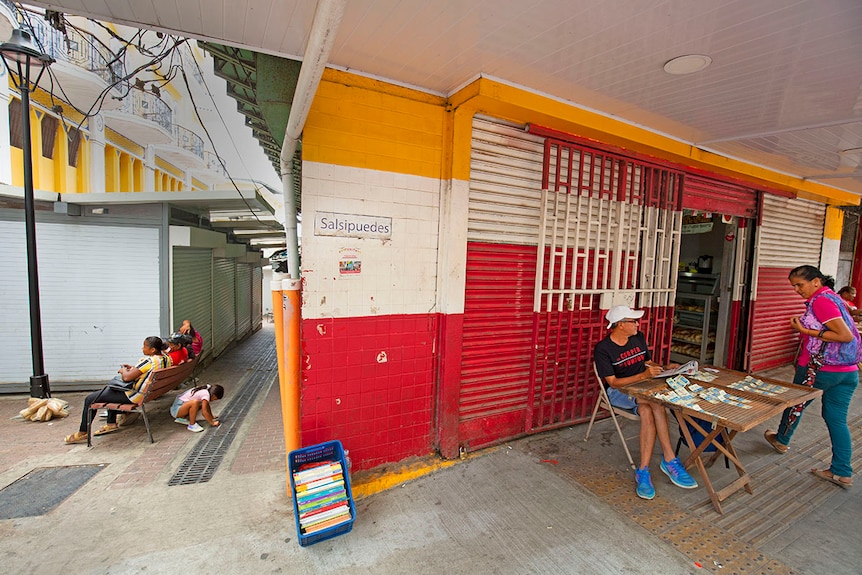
[{"x": 621, "y": 360}]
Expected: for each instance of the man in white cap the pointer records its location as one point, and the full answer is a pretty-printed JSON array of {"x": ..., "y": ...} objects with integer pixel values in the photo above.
[{"x": 623, "y": 358}]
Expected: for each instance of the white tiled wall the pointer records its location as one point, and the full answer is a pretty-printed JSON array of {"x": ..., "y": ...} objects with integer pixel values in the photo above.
[{"x": 399, "y": 275}]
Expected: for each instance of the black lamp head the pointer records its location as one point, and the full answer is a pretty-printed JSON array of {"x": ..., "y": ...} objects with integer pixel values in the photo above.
[{"x": 20, "y": 46}]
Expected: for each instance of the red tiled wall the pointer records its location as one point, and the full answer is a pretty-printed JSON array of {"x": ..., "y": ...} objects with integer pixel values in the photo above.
[{"x": 379, "y": 410}]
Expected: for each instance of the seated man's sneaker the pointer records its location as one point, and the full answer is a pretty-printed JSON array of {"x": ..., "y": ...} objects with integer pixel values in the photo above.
[
  {"x": 645, "y": 489},
  {"x": 677, "y": 473}
]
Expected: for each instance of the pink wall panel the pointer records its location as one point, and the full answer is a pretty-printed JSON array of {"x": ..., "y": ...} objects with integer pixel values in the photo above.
[{"x": 369, "y": 382}]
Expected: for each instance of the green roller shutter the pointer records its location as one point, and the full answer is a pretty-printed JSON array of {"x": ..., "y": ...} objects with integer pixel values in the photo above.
[
  {"x": 256, "y": 298},
  {"x": 224, "y": 303},
  {"x": 193, "y": 291},
  {"x": 243, "y": 300}
]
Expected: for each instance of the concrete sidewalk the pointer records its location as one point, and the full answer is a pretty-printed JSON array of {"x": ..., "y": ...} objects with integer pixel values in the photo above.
[{"x": 549, "y": 503}]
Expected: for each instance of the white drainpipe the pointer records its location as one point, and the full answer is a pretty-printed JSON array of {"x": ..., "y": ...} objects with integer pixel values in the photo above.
[
  {"x": 327, "y": 18},
  {"x": 286, "y": 293}
]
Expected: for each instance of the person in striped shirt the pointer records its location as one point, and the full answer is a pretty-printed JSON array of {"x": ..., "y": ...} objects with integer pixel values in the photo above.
[{"x": 126, "y": 387}]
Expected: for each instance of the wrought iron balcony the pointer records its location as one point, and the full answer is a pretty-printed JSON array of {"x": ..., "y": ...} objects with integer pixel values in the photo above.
[
  {"x": 143, "y": 117},
  {"x": 189, "y": 141},
  {"x": 149, "y": 107},
  {"x": 214, "y": 164},
  {"x": 79, "y": 49}
]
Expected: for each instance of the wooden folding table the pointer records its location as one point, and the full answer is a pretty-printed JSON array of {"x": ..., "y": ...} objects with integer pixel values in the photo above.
[{"x": 726, "y": 419}]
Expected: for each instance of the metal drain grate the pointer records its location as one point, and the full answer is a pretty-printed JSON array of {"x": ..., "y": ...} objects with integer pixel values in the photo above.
[
  {"x": 203, "y": 461},
  {"x": 43, "y": 489}
]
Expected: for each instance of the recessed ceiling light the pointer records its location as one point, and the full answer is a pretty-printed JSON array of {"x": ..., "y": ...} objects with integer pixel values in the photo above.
[{"x": 687, "y": 64}]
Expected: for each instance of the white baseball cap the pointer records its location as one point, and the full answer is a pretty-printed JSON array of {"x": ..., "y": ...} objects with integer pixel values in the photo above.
[{"x": 621, "y": 312}]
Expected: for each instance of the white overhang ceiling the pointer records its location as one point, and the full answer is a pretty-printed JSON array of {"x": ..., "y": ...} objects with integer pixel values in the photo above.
[{"x": 783, "y": 91}]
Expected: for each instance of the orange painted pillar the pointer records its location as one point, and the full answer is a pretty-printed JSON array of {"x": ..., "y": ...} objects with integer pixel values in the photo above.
[
  {"x": 289, "y": 366},
  {"x": 278, "y": 323}
]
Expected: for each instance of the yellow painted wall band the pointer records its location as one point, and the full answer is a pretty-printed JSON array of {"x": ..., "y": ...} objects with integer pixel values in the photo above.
[
  {"x": 834, "y": 223},
  {"x": 167, "y": 167},
  {"x": 123, "y": 143},
  {"x": 369, "y": 124}
]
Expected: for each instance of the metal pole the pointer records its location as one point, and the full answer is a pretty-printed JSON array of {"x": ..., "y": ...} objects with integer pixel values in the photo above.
[{"x": 39, "y": 386}]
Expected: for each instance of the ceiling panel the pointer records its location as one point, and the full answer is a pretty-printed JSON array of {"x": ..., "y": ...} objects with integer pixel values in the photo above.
[{"x": 784, "y": 89}]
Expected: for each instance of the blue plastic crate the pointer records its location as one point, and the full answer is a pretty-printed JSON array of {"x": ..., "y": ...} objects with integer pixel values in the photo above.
[{"x": 330, "y": 450}]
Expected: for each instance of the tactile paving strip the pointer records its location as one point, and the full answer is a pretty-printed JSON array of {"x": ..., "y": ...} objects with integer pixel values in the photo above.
[
  {"x": 726, "y": 544},
  {"x": 205, "y": 458},
  {"x": 782, "y": 492}
]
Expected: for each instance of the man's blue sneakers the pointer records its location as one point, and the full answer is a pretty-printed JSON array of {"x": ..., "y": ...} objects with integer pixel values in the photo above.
[
  {"x": 645, "y": 489},
  {"x": 677, "y": 473}
]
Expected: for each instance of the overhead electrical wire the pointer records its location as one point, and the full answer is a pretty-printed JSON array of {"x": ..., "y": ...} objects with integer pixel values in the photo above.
[
  {"x": 168, "y": 46},
  {"x": 154, "y": 65},
  {"x": 212, "y": 143}
]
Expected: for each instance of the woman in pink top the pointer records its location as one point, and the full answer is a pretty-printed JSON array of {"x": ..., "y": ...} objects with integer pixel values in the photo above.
[
  {"x": 186, "y": 406},
  {"x": 827, "y": 330},
  {"x": 197, "y": 340}
]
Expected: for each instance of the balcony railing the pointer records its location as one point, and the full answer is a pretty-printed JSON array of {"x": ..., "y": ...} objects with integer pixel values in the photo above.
[
  {"x": 189, "y": 141},
  {"x": 82, "y": 50},
  {"x": 214, "y": 164},
  {"x": 148, "y": 106}
]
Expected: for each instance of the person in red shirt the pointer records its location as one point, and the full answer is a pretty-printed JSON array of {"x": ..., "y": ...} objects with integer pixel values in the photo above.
[{"x": 175, "y": 350}]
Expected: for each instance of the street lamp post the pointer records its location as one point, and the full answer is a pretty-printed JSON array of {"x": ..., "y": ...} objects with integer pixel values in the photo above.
[{"x": 20, "y": 55}]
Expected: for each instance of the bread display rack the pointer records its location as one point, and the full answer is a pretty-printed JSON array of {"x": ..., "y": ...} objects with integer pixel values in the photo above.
[{"x": 694, "y": 320}]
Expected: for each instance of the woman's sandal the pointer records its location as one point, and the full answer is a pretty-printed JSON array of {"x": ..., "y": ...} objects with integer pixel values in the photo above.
[
  {"x": 831, "y": 477},
  {"x": 77, "y": 437},
  {"x": 106, "y": 429}
]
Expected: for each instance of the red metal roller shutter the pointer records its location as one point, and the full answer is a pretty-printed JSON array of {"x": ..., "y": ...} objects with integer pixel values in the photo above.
[
  {"x": 774, "y": 343},
  {"x": 497, "y": 346},
  {"x": 790, "y": 234},
  {"x": 704, "y": 194}
]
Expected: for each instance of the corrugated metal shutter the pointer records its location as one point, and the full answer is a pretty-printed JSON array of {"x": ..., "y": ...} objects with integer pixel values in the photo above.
[
  {"x": 790, "y": 235},
  {"x": 89, "y": 296},
  {"x": 502, "y": 233},
  {"x": 710, "y": 195},
  {"x": 256, "y": 298},
  {"x": 525, "y": 367},
  {"x": 224, "y": 303},
  {"x": 505, "y": 184},
  {"x": 193, "y": 291},
  {"x": 243, "y": 300}
]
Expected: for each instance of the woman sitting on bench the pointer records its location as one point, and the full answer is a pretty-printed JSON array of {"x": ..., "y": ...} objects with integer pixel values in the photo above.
[{"x": 127, "y": 387}]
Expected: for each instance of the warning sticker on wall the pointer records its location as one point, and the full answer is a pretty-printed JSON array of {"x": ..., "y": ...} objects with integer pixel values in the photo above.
[{"x": 349, "y": 261}]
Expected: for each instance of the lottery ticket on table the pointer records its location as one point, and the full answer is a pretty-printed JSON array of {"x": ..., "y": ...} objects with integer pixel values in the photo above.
[
  {"x": 703, "y": 376},
  {"x": 755, "y": 385},
  {"x": 678, "y": 385},
  {"x": 715, "y": 395},
  {"x": 689, "y": 401}
]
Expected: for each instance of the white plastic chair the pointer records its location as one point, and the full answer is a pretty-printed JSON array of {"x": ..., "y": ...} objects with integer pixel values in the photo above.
[{"x": 605, "y": 403}]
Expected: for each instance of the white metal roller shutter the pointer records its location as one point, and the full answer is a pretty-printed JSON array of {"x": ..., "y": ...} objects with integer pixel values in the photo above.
[
  {"x": 95, "y": 282},
  {"x": 256, "y": 297},
  {"x": 193, "y": 291},
  {"x": 505, "y": 184},
  {"x": 790, "y": 235},
  {"x": 224, "y": 303},
  {"x": 791, "y": 232},
  {"x": 243, "y": 300}
]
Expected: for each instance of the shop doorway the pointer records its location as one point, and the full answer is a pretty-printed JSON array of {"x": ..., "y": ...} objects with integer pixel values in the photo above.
[{"x": 713, "y": 289}]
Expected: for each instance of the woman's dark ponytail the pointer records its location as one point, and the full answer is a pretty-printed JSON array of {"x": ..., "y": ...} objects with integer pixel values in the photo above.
[{"x": 809, "y": 273}]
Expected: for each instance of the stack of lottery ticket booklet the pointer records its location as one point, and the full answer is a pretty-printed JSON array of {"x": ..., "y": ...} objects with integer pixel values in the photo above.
[
  {"x": 688, "y": 394},
  {"x": 755, "y": 385}
]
